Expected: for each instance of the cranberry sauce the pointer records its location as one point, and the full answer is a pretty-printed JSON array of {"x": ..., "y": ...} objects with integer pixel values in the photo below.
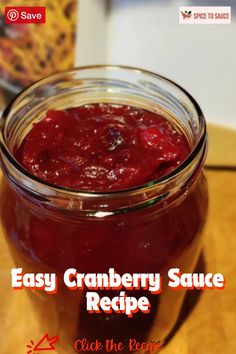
[{"x": 102, "y": 147}]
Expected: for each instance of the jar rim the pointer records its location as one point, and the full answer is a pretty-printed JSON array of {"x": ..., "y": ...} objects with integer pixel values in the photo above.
[{"x": 84, "y": 193}]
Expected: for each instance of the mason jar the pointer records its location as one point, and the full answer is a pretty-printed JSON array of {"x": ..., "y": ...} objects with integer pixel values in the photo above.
[{"x": 146, "y": 229}]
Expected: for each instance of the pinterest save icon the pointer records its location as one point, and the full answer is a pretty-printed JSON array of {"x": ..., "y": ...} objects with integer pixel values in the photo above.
[{"x": 13, "y": 15}]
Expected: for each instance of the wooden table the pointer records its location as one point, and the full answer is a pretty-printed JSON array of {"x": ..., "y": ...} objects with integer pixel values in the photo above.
[{"x": 210, "y": 327}]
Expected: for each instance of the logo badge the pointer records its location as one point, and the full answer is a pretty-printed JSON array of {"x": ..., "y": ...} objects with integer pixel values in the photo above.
[
  {"x": 186, "y": 14},
  {"x": 25, "y": 14},
  {"x": 208, "y": 15}
]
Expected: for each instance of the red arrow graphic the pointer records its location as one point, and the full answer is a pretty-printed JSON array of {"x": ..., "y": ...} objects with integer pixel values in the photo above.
[{"x": 45, "y": 343}]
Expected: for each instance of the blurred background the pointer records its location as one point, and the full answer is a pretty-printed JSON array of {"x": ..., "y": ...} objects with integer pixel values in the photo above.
[
  {"x": 29, "y": 52},
  {"x": 147, "y": 34}
]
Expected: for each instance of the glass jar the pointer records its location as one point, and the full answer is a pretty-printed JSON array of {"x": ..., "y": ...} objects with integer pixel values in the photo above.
[{"x": 145, "y": 229}]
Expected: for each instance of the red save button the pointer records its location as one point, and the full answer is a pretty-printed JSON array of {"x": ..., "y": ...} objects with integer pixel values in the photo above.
[{"x": 25, "y": 14}]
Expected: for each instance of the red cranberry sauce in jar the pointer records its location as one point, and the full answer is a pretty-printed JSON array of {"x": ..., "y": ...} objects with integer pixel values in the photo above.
[
  {"x": 102, "y": 147},
  {"x": 105, "y": 148}
]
